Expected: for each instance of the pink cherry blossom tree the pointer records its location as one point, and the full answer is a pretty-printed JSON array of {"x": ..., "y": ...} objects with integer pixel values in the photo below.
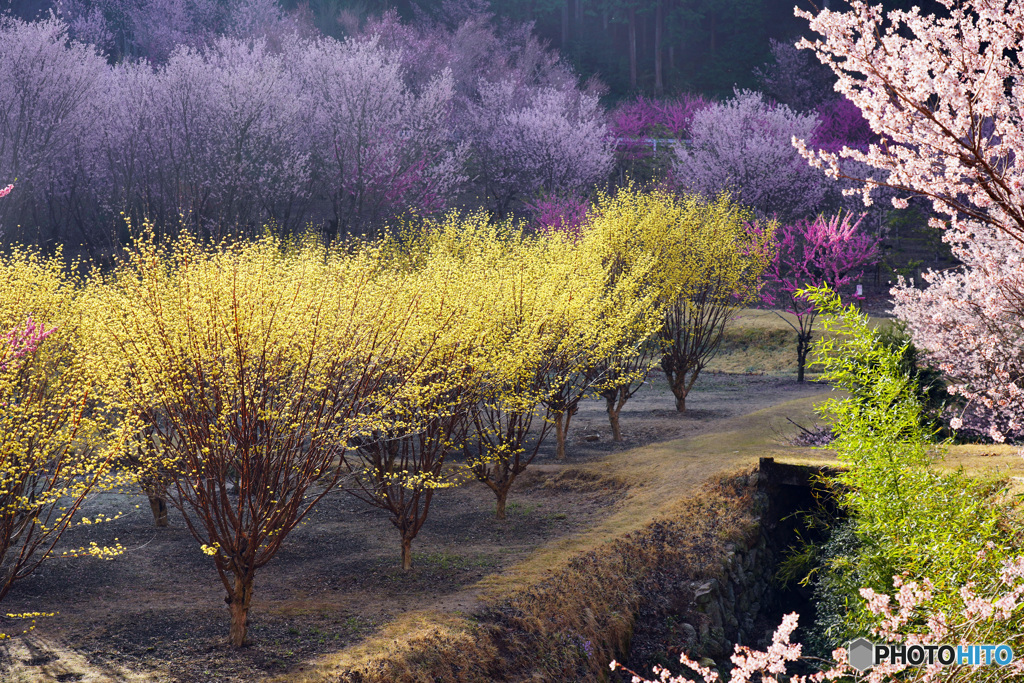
[
  {"x": 813, "y": 253},
  {"x": 944, "y": 93}
]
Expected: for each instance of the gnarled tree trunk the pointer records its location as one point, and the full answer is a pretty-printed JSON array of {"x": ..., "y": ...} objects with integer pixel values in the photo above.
[
  {"x": 238, "y": 602},
  {"x": 158, "y": 504}
]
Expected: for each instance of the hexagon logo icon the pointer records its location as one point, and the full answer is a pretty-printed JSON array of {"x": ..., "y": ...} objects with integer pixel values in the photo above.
[{"x": 861, "y": 654}]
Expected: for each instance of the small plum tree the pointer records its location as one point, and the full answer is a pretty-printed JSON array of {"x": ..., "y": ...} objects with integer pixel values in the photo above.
[
  {"x": 824, "y": 252},
  {"x": 252, "y": 365},
  {"x": 56, "y": 446}
]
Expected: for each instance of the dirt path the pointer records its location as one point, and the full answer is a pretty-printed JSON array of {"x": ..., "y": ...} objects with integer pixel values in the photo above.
[{"x": 157, "y": 614}]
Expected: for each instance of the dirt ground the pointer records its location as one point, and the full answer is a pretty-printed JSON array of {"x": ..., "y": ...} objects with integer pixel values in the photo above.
[{"x": 157, "y": 613}]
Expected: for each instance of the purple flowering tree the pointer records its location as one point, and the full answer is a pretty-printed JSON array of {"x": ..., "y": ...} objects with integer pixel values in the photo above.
[
  {"x": 743, "y": 146},
  {"x": 842, "y": 125},
  {"x": 379, "y": 147},
  {"x": 527, "y": 142},
  {"x": 46, "y": 88},
  {"x": 531, "y": 130}
]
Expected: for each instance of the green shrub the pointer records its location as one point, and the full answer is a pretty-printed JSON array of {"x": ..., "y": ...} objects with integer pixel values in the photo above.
[{"x": 907, "y": 519}]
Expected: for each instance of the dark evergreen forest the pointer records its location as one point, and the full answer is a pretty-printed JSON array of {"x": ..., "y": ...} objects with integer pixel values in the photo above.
[{"x": 631, "y": 46}]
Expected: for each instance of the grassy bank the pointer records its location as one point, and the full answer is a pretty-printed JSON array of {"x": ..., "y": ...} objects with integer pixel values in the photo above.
[{"x": 568, "y": 608}]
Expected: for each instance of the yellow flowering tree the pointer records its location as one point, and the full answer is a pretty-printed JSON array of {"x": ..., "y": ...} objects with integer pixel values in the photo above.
[
  {"x": 549, "y": 311},
  {"x": 252, "y": 364},
  {"x": 400, "y": 466},
  {"x": 722, "y": 260},
  {"x": 708, "y": 263},
  {"x": 55, "y": 445}
]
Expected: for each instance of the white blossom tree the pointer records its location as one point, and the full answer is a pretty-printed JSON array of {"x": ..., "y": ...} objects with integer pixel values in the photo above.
[
  {"x": 945, "y": 95},
  {"x": 743, "y": 146}
]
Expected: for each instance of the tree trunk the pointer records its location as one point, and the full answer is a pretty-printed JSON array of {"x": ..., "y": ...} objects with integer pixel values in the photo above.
[
  {"x": 406, "y": 554},
  {"x": 632, "y": 48},
  {"x": 803, "y": 345},
  {"x": 499, "y": 508},
  {"x": 239, "y": 606},
  {"x": 565, "y": 23},
  {"x": 560, "y": 430},
  {"x": 158, "y": 504},
  {"x": 613, "y": 418},
  {"x": 681, "y": 402},
  {"x": 659, "y": 84}
]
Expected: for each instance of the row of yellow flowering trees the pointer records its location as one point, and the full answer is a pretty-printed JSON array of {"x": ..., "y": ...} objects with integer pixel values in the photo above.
[{"x": 245, "y": 381}]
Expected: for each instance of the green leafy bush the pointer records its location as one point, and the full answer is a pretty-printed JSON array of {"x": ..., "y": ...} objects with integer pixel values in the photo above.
[{"x": 908, "y": 518}]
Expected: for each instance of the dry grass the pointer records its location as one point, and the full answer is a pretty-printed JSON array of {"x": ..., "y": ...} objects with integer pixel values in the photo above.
[
  {"x": 762, "y": 341},
  {"x": 678, "y": 513}
]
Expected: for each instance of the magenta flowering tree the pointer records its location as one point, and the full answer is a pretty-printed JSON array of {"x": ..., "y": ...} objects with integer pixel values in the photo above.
[
  {"x": 20, "y": 342},
  {"x": 814, "y": 253},
  {"x": 555, "y": 214},
  {"x": 632, "y": 123}
]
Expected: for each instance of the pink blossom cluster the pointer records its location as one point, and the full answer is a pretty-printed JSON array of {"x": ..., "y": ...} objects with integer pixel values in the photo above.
[
  {"x": 987, "y": 612},
  {"x": 21, "y": 342},
  {"x": 943, "y": 94},
  {"x": 554, "y": 214},
  {"x": 829, "y": 251},
  {"x": 748, "y": 662},
  {"x": 968, "y": 319}
]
